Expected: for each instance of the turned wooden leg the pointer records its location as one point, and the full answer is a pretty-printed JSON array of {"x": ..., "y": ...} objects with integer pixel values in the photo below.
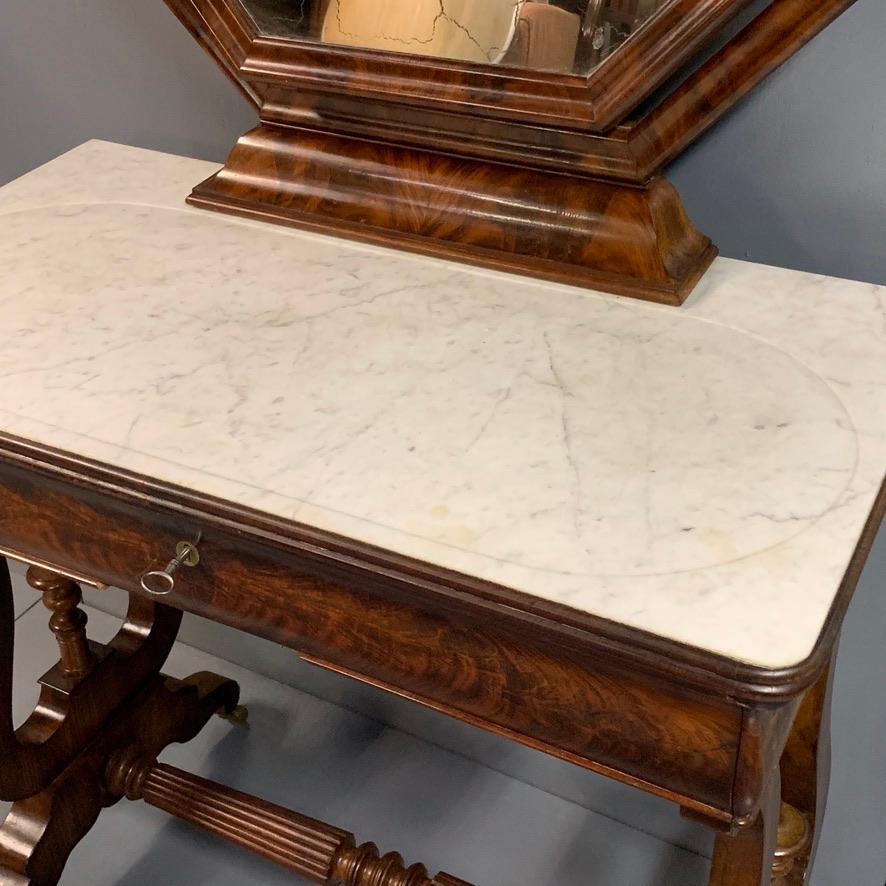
[
  {"x": 746, "y": 857},
  {"x": 63, "y": 597},
  {"x": 805, "y": 775},
  {"x": 319, "y": 852}
]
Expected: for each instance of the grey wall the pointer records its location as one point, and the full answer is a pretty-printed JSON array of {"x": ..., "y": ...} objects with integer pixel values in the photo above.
[
  {"x": 123, "y": 70},
  {"x": 796, "y": 176}
]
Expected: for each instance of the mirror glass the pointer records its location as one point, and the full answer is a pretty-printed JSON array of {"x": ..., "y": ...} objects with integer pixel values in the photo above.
[{"x": 562, "y": 36}]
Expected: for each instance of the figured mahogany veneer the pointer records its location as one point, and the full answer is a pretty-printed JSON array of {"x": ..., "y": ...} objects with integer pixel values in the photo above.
[
  {"x": 713, "y": 736},
  {"x": 674, "y": 721},
  {"x": 634, "y": 241},
  {"x": 551, "y": 175},
  {"x": 517, "y": 674}
]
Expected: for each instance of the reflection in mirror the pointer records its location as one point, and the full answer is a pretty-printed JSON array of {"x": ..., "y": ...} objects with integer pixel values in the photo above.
[{"x": 563, "y": 36}]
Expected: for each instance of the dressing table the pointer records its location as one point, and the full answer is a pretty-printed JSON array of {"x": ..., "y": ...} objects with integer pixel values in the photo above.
[
  {"x": 590, "y": 487},
  {"x": 616, "y": 532}
]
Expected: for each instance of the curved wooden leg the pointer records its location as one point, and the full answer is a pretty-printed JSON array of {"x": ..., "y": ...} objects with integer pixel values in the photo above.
[
  {"x": 805, "y": 774},
  {"x": 746, "y": 857},
  {"x": 778, "y": 849}
]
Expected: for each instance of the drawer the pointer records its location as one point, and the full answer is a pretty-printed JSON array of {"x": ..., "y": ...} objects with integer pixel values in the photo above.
[{"x": 471, "y": 658}]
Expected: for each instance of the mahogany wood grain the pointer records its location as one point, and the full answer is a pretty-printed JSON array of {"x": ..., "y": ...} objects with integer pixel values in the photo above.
[
  {"x": 794, "y": 838},
  {"x": 473, "y": 162},
  {"x": 97, "y": 700},
  {"x": 603, "y": 235},
  {"x": 675, "y": 721},
  {"x": 634, "y": 151},
  {"x": 607, "y": 156},
  {"x": 592, "y": 103},
  {"x": 764, "y": 732},
  {"x": 555, "y": 176},
  {"x": 319, "y": 852},
  {"x": 795, "y": 740},
  {"x": 31, "y": 474},
  {"x": 41, "y": 831},
  {"x": 546, "y": 690},
  {"x": 349, "y": 605},
  {"x": 71, "y": 709}
]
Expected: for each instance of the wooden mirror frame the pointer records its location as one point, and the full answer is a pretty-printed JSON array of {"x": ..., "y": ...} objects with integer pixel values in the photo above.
[{"x": 551, "y": 175}]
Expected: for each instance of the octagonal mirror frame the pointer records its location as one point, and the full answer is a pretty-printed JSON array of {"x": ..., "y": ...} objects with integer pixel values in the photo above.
[
  {"x": 556, "y": 176},
  {"x": 590, "y": 103}
]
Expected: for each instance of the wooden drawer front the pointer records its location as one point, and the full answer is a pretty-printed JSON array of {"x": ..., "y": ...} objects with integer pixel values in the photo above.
[{"x": 488, "y": 667}]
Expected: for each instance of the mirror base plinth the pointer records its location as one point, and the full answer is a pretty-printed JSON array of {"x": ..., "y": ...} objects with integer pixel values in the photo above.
[{"x": 629, "y": 240}]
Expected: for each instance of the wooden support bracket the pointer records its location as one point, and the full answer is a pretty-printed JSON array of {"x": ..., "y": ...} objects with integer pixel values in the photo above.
[{"x": 106, "y": 713}]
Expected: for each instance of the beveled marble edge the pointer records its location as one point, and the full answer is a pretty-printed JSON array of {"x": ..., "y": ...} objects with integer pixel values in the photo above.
[{"x": 764, "y": 302}]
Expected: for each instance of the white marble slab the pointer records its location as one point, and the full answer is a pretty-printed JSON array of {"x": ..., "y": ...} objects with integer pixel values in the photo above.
[{"x": 702, "y": 473}]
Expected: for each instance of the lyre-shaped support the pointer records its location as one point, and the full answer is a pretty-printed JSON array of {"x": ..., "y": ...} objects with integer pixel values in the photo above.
[
  {"x": 88, "y": 685},
  {"x": 312, "y": 849},
  {"x": 40, "y": 832},
  {"x": 105, "y": 713}
]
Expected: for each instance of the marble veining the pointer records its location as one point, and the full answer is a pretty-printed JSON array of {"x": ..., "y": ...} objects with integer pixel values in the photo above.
[{"x": 701, "y": 473}]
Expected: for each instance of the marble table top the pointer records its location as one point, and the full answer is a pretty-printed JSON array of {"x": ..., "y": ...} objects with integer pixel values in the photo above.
[{"x": 702, "y": 473}]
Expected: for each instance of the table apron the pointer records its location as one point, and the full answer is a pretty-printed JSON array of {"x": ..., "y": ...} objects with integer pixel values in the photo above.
[{"x": 644, "y": 729}]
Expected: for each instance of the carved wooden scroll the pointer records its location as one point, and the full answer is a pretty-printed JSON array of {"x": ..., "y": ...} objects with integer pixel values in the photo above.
[{"x": 83, "y": 690}]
